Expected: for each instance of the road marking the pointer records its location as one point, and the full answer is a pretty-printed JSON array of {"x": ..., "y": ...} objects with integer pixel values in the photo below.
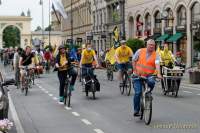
[
  {"x": 98, "y": 131},
  {"x": 86, "y": 122},
  {"x": 43, "y": 89},
  {"x": 50, "y": 95},
  {"x": 15, "y": 116},
  {"x": 187, "y": 92},
  {"x": 55, "y": 98},
  {"x": 68, "y": 108},
  {"x": 198, "y": 94},
  {"x": 61, "y": 103},
  {"x": 75, "y": 114},
  {"x": 46, "y": 92}
]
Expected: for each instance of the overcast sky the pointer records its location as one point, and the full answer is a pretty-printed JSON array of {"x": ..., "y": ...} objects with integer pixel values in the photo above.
[{"x": 15, "y": 7}]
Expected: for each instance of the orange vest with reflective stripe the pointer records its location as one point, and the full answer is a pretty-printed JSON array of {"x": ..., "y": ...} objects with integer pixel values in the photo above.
[{"x": 145, "y": 66}]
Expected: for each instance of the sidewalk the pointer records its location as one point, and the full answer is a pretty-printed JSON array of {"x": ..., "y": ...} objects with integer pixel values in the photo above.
[{"x": 185, "y": 82}]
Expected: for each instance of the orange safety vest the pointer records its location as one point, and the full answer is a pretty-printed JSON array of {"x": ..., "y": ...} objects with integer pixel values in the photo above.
[{"x": 145, "y": 67}]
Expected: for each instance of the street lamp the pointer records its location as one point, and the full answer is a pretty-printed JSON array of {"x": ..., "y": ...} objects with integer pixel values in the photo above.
[{"x": 41, "y": 3}]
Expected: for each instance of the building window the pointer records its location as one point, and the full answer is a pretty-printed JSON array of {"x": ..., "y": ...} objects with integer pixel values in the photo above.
[
  {"x": 196, "y": 12},
  {"x": 131, "y": 27},
  {"x": 147, "y": 25},
  {"x": 139, "y": 25},
  {"x": 181, "y": 18},
  {"x": 169, "y": 22},
  {"x": 157, "y": 19}
]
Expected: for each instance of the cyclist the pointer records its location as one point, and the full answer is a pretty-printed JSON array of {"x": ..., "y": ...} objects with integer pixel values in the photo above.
[
  {"x": 167, "y": 58},
  {"x": 26, "y": 59},
  {"x": 63, "y": 64},
  {"x": 123, "y": 55},
  {"x": 145, "y": 63},
  {"x": 88, "y": 56}
]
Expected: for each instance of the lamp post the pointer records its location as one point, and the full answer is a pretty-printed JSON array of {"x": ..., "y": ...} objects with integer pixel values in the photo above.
[
  {"x": 49, "y": 23},
  {"x": 41, "y": 3},
  {"x": 71, "y": 23}
]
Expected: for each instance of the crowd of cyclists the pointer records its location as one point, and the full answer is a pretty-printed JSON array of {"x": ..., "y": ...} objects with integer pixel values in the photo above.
[{"x": 144, "y": 62}]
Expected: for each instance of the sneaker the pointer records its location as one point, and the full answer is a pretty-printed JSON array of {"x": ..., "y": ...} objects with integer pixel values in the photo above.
[
  {"x": 61, "y": 99},
  {"x": 71, "y": 87},
  {"x": 136, "y": 114}
]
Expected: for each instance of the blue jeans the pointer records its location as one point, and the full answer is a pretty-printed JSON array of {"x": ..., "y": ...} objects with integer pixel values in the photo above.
[{"x": 137, "y": 85}]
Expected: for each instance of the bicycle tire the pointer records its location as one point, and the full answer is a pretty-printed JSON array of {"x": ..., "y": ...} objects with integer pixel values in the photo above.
[
  {"x": 141, "y": 108},
  {"x": 26, "y": 91},
  {"x": 176, "y": 87},
  {"x": 65, "y": 94},
  {"x": 148, "y": 112},
  {"x": 111, "y": 76},
  {"x": 129, "y": 88},
  {"x": 93, "y": 90},
  {"x": 69, "y": 99}
]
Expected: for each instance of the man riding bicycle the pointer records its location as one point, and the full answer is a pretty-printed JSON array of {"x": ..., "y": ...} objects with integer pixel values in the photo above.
[
  {"x": 26, "y": 59},
  {"x": 145, "y": 63},
  {"x": 63, "y": 64},
  {"x": 123, "y": 55}
]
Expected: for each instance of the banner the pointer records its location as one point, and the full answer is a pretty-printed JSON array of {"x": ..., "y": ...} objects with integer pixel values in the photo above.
[{"x": 58, "y": 6}]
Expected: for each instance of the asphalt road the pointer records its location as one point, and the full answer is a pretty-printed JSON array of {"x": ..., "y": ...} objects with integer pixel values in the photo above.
[{"x": 40, "y": 112}]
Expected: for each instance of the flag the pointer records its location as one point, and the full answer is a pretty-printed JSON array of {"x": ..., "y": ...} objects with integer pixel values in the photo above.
[
  {"x": 58, "y": 6},
  {"x": 73, "y": 54},
  {"x": 111, "y": 56}
]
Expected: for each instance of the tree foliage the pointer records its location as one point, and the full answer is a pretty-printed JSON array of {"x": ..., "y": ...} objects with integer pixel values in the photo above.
[
  {"x": 11, "y": 36},
  {"x": 135, "y": 44},
  {"x": 38, "y": 28}
]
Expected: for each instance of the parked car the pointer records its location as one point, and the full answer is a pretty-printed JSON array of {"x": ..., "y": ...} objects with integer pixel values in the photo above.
[{"x": 4, "y": 101}]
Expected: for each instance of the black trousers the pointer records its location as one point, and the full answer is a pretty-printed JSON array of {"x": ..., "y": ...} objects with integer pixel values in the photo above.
[{"x": 62, "y": 75}]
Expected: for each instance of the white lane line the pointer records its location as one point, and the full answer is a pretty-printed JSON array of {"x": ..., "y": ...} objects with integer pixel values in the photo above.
[
  {"x": 187, "y": 87},
  {"x": 86, "y": 122},
  {"x": 187, "y": 92},
  {"x": 55, "y": 98},
  {"x": 43, "y": 89},
  {"x": 68, "y": 108},
  {"x": 50, "y": 95},
  {"x": 98, "y": 131},
  {"x": 61, "y": 103},
  {"x": 198, "y": 94},
  {"x": 75, "y": 114},
  {"x": 46, "y": 92},
  {"x": 15, "y": 116}
]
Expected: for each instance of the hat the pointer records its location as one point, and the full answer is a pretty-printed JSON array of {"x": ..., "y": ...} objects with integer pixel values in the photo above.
[
  {"x": 122, "y": 41},
  {"x": 61, "y": 46}
]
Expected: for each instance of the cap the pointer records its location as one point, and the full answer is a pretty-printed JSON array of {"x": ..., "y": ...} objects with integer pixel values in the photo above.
[
  {"x": 151, "y": 41},
  {"x": 122, "y": 41},
  {"x": 61, "y": 46}
]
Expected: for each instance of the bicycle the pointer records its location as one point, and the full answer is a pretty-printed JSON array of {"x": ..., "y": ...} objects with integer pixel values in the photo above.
[
  {"x": 109, "y": 71},
  {"x": 145, "y": 100},
  {"x": 67, "y": 92},
  {"x": 89, "y": 82},
  {"x": 126, "y": 83},
  {"x": 27, "y": 79}
]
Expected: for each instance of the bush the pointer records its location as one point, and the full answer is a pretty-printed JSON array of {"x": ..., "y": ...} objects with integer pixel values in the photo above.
[{"x": 135, "y": 44}]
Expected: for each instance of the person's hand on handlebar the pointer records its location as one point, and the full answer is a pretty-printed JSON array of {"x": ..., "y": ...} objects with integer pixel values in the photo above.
[{"x": 159, "y": 76}]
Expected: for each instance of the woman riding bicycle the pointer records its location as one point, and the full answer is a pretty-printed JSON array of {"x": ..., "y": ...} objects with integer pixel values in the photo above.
[{"x": 63, "y": 64}]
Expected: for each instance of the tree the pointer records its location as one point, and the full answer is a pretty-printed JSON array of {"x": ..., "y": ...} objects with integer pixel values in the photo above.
[
  {"x": 11, "y": 36},
  {"x": 22, "y": 14},
  {"x": 48, "y": 28},
  {"x": 38, "y": 28},
  {"x": 135, "y": 44}
]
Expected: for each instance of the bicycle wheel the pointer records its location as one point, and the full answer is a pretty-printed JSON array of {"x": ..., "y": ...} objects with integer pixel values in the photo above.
[
  {"x": 141, "y": 108},
  {"x": 69, "y": 98},
  {"x": 176, "y": 87},
  {"x": 111, "y": 75},
  {"x": 128, "y": 88},
  {"x": 65, "y": 94},
  {"x": 148, "y": 111},
  {"x": 26, "y": 91},
  {"x": 93, "y": 90}
]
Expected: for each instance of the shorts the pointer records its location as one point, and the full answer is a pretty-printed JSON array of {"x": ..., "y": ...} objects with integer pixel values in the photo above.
[{"x": 124, "y": 66}]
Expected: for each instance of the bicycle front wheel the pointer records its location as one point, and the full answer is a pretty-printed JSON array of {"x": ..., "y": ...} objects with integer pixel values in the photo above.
[
  {"x": 148, "y": 111},
  {"x": 69, "y": 99}
]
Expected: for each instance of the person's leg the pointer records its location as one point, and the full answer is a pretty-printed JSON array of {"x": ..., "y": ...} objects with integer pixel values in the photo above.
[
  {"x": 138, "y": 91},
  {"x": 151, "y": 82},
  {"x": 62, "y": 78},
  {"x": 120, "y": 68},
  {"x": 72, "y": 73}
]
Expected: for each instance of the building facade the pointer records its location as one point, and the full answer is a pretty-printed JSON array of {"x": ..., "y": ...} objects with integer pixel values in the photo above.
[
  {"x": 174, "y": 21},
  {"x": 99, "y": 14},
  {"x": 80, "y": 26}
]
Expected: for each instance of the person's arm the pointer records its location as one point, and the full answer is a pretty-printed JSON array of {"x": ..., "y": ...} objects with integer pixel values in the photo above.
[
  {"x": 157, "y": 62},
  {"x": 20, "y": 61},
  {"x": 57, "y": 62},
  {"x": 117, "y": 56},
  {"x": 135, "y": 59}
]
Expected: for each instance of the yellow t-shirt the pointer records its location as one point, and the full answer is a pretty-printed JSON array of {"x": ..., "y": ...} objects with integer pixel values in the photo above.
[
  {"x": 88, "y": 56},
  {"x": 63, "y": 59},
  {"x": 123, "y": 54}
]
